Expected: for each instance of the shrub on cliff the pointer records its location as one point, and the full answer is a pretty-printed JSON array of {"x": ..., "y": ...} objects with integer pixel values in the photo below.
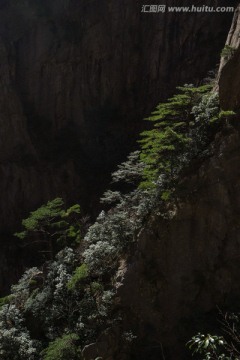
[
  {"x": 224, "y": 346},
  {"x": 228, "y": 52},
  {"x": 74, "y": 293},
  {"x": 61, "y": 299},
  {"x": 15, "y": 339},
  {"x": 63, "y": 348},
  {"x": 52, "y": 226},
  {"x": 181, "y": 131}
]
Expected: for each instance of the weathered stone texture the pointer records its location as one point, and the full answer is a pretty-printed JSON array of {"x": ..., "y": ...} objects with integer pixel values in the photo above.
[{"x": 76, "y": 79}]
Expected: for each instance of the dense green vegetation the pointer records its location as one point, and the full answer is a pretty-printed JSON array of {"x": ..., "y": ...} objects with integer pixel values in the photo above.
[
  {"x": 63, "y": 348},
  {"x": 227, "y": 52},
  {"x": 182, "y": 129},
  {"x": 71, "y": 297},
  {"x": 80, "y": 274},
  {"x": 52, "y": 226}
]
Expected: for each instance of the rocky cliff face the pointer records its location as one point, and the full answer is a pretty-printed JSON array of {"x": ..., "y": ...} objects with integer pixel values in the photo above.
[
  {"x": 187, "y": 265},
  {"x": 76, "y": 80},
  {"x": 187, "y": 262},
  {"x": 229, "y": 82}
]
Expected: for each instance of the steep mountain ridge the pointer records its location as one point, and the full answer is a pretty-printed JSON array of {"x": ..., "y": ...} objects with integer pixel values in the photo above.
[
  {"x": 186, "y": 264},
  {"x": 229, "y": 81},
  {"x": 78, "y": 79}
]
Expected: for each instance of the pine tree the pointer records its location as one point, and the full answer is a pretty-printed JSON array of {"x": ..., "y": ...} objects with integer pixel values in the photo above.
[
  {"x": 163, "y": 148},
  {"x": 52, "y": 226}
]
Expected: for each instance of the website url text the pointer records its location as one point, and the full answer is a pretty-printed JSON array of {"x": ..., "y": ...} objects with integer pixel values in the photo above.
[{"x": 186, "y": 9}]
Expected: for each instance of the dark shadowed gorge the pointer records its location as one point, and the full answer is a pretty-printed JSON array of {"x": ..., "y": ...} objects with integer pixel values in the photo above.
[{"x": 77, "y": 77}]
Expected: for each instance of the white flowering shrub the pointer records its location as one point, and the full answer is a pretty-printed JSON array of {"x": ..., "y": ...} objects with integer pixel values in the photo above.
[
  {"x": 57, "y": 309},
  {"x": 51, "y": 303},
  {"x": 114, "y": 231},
  {"x": 109, "y": 237},
  {"x": 206, "y": 118},
  {"x": 130, "y": 171},
  {"x": 71, "y": 297},
  {"x": 15, "y": 340}
]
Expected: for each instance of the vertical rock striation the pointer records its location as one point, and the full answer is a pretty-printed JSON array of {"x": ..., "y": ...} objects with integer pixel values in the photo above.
[
  {"x": 187, "y": 265},
  {"x": 76, "y": 79},
  {"x": 229, "y": 76},
  {"x": 187, "y": 262}
]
